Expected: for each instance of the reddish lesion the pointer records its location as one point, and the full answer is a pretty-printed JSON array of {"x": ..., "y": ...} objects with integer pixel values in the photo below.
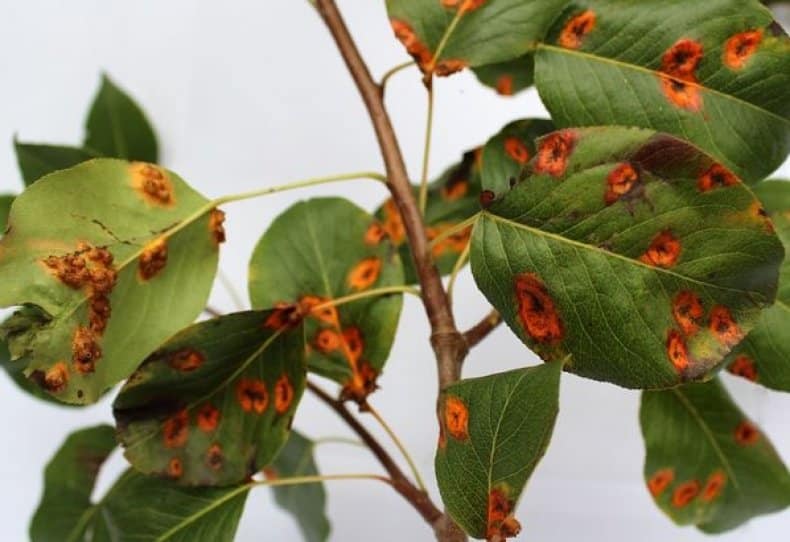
[
  {"x": 283, "y": 394},
  {"x": 153, "y": 184},
  {"x": 252, "y": 395},
  {"x": 724, "y": 327},
  {"x": 664, "y": 250},
  {"x": 576, "y": 29},
  {"x": 746, "y": 433},
  {"x": 714, "y": 486},
  {"x": 537, "y": 311},
  {"x": 716, "y": 176},
  {"x": 176, "y": 429},
  {"x": 744, "y": 367},
  {"x": 553, "y": 153},
  {"x": 365, "y": 273},
  {"x": 685, "y": 493},
  {"x": 186, "y": 360},
  {"x": 620, "y": 182},
  {"x": 660, "y": 481},
  {"x": 516, "y": 150},
  {"x": 501, "y": 523},
  {"x": 678, "y": 74},
  {"x": 688, "y": 311},
  {"x": 152, "y": 259},
  {"x": 504, "y": 85},
  {"x": 740, "y": 48},
  {"x": 456, "y": 417},
  {"x": 414, "y": 46},
  {"x": 677, "y": 351},
  {"x": 208, "y": 417}
]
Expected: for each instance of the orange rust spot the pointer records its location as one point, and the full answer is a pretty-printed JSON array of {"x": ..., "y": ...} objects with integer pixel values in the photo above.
[
  {"x": 216, "y": 225},
  {"x": 283, "y": 394},
  {"x": 685, "y": 493},
  {"x": 308, "y": 304},
  {"x": 744, "y": 367},
  {"x": 175, "y": 468},
  {"x": 70, "y": 269},
  {"x": 416, "y": 48},
  {"x": 537, "y": 311},
  {"x": 740, "y": 47},
  {"x": 252, "y": 395},
  {"x": 501, "y": 524},
  {"x": 327, "y": 341},
  {"x": 450, "y": 66},
  {"x": 620, "y": 182},
  {"x": 186, "y": 360},
  {"x": 681, "y": 60},
  {"x": 361, "y": 384},
  {"x": 453, "y": 243},
  {"x": 152, "y": 183},
  {"x": 214, "y": 457},
  {"x": 687, "y": 310},
  {"x": 208, "y": 418},
  {"x": 504, "y": 85},
  {"x": 99, "y": 313},
  {"x": 365, "y": 273},
  {"x": 576, "y": 29},
  {"x": 456, "y": 418},
  {"x": 516, "y": 150},
  {"x": 393, "y": 223},
  {"x": 664, "y": 251},
  {"x": 176, "y": 429},
  {"x": 375, "y": 234},
  {"x": 660, "y": 481},
  {"x": 717, "y": 176},
  {"x": 682, "y": 94},
  {"x": 284, "y": 315},
  {"x": 677, "y": 350},
  {"x": 757, "y": 211},
  {"x": 56, "y": 378},
  {"x": 270, "y": 473},
  {"x": 354, "y": 343},
  {"x": 553, "y": 153},
  {"x": 714, "y": 486},
  {"x": 85, "y": 350},
  {"x": 746, "y": 433},
  {"x": 724, "y": 327},
  {"x": 463, "y": 5},
  {"x": 153, "y": 259},
  {"x": 455, "y": 190}
]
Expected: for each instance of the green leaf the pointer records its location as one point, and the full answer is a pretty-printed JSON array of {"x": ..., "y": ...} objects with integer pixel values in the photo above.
[
  {"x": 35, "y": 160},
  {"x": 474, "y": 32},
  {"x": 215, "y": 403},
  {"x": 320, "y": 250},
  {"x": 102, "y": 279},
  {"x": 764, "y": 356},
  {"x": 707, "y": 464},
  {"x": 716, "y": 73},
  {"x": 305, "y": 502},
  {"x": 117, "y": 127},
  {"x": 68, "y": 483},
  {"x": 5, "y": 207},
  {"x": 494, "y": 430},
  {"x": 632, "y": 252},
  {"x": 508, "y": 78}
]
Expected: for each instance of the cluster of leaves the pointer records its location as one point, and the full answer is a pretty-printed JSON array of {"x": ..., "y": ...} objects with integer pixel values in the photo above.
[{"x": 630, "y": 239}]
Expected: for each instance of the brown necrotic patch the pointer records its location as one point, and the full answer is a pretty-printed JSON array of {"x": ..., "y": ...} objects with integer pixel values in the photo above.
[
  {"x": 746, "y": 433},
  {"x": 208, "y": 418},
  {"x": 576, "y": 29},
  {"x": 153, "y": 184},
  {"x": 361, "y": 384},
  {"x": 374, "y": 234},
  {"x": 283, "y": 394},
  {"x": 175, "y": 468},
  {"x": 176, "y": 429},
  {"x": 682, "y": 59},
  {"x": 456, "y": 418},
  {"x": 153, "y": 259},
  {"x": 744, "y": 367},
  {"x": 664, "y": 251},
  {"x": 660, "y": 481},
  {"x": 216, "y": 225},
  {"x": 501, "y": 523},
  {"x": 85, "y": 350},
  {"x": 449, "y": 66},
  {"x": 354, "y": 343},
  {"x": 537, "y": 311},
  {"x": 740, "y": 48},
  {"x": 688, "y": 311},
  {"x": 315, "y": 306},
  {"x": 414, "y": 46},
  {"x": 685, "y": 493},
  {"x": 504, "y": 85},
  {"x": 284, "y": 315},
  {"x": 252, "y": 395},
  {"x": 516, "y": 150},
  {"x": 327, "y": 340},
  {"x": 620, "y": 182},
  {"x": 714, "y": 486},
  {"x": 214, "y": 457},
  {"x": 716, "y": 176},
  {"x": 682, "y": 94},
  {"x": 364, "y": 274},
  {"x": 724, "y": 327},
  {"x": 55, "y": 379},
  {"x": 186, "y": 360},
  {"x": 677, "y": 351},
  {"x": 554, "y": 152}
]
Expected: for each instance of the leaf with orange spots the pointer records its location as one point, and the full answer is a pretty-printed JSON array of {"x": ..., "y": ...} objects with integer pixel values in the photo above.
[
  {"x": 96, "y": 315},
  {"x": 608, "y": 251},
  {"x": 716, "y": 73},
  {"x": 223, "y": 419},
  {"x": 474, "y": 32},
  {"x": 320, "y": 250},
  {"x": 493, "y": 432},
  {"x": 764, "y": 356},
  {"x": 707, "y": 465},
  {"x": 510, "y": 77}
]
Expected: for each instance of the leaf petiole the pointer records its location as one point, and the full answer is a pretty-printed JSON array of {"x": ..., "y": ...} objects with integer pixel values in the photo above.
[
  {"x": 412, "y": 465},
  {"x": 461, "y": 226},
  {"x": 370, "y": 293}
]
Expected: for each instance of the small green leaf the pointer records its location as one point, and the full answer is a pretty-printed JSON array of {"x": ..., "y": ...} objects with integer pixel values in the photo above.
[
  {"x": 215, "y": 403},
  {"x": 102, "y": 279},
  {"x": 474, "y": 32},
  {"x": 764, "y": 356},
  {"x": 716, "y": 73},
  {"x": 5, "y": 207},
  {"x": 494, "y": 430},
  {"x": 117, "y": 127},
  {"x": 305, "y": 502},
  {"x": 631, "y": 251},
  {"x": 508, "y": 78},
  {"x": 35, "y": 160},
  {"x": 324, "y": 249},
  {"x": 707, "y": 464}
]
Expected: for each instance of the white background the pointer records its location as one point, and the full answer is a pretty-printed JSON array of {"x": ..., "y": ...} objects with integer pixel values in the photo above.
[{"x": 250, "y": 94}]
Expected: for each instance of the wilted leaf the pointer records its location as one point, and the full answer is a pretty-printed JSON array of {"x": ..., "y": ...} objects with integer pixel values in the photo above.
[
  {"x": 716, "y": 73},
  {"x": 124, "y": 258},
  {"x": 494, "y": 430},
  {"x": 36, "y": 160},
  {"x": 117, "y": 127},
  {"x": 630, "y": 251},
  {"x": 707, "y": 464},
  {"x": 324, "y": 249},
  {"x": 214, "y": 404},
  {"x": 486, "y": 31},
  {"x": 508, "y": 78},
  {"x": 306, "y": 502}
]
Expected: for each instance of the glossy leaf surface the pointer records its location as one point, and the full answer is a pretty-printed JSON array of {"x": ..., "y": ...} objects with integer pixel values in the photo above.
[
  {"x": 630, "y": 251},
  {"x": 494, "y": 430},
  {"x": 37, "y": 160}
]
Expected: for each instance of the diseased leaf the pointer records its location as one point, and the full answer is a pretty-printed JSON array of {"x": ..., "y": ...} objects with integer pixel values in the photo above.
[
  {"x": 37, "y": 160},
  {"x": 716, "y": 73},
  {"x": 764, "y": 356},
  {"x": 324, "y": 249},
  {"x": 125, "y": 257},
  {"x": 215, "y": 403},
  {"x": 117, "y": 127},
  {"x": 707, "y": 464},
  {"x": 632, "y": 252},
  {"x": 485, "y": 32},
  {"x": 508, "y": 78},
  {"x": 305, "y": 502},
  {"x": 494, "y": 430}
]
